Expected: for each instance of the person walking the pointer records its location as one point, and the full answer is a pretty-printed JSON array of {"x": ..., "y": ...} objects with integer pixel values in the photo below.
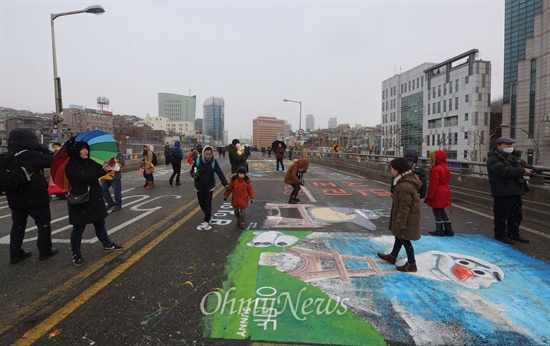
[
  {"x": 83, "y": 174},
  {"x": 294, "y": 177},
  {"x": 439, "y": 194},
  {"x": 176, "y": 157},
  {"x": 166, "y": 155},
  {"x": 237, "y": 158},
  {"x": 241, "y": 190},
  {"x": 148, "y": 167},
  {"x": 279, "y": 155},
  {"x": 290, "y": 150},
  {"x": 405, "y": 219},
  {"x": 506, "y": 177},
  {"x": 412, "y": 158},
  {"x": 202, "y": 171},
  {"x": 113, "y": 179},
  {"x": 32, "y": 199}
]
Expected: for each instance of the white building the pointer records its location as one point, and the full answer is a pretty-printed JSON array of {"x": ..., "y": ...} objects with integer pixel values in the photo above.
[
  {"x": 181, "y": 128},
  {"x": 458, "y": 106},
  {"x": 438, "y": 106}
]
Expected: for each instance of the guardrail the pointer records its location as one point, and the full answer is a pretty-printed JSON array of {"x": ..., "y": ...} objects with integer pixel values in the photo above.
[{"x": 469, "y": 181}]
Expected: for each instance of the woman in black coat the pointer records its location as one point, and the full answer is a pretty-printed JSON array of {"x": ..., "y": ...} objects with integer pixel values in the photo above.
[{"x": 83, "y": 174}]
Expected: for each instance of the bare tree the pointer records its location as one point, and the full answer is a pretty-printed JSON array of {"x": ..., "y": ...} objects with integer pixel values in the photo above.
[{"x": 496, "y": 105}]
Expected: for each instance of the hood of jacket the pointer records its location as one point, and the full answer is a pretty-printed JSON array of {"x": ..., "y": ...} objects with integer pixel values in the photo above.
[
  {"x": 202, "y": 154},
  {"x": 410, "y": 177},
  {"x": 73, "y": 148},
  {"x": 20, "y": 139},
  {"x": 177, "y": 144},
  {"x": 440, "y": 157},
  {"x": 411, "y": 155},
  {"x": 303, "y": 164}
]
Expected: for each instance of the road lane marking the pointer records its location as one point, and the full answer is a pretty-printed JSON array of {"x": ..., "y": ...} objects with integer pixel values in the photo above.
[
  {"x": 32, "y": 308},
  {"x": 49, "y": 323}
]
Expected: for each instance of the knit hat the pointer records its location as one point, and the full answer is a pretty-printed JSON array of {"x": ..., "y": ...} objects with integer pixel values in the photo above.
[{"x": 241, "y": 169}]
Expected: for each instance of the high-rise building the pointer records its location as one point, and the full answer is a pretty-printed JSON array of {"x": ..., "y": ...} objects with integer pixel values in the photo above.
[
  {"x": 310, "y": 122},
  {"x": 213, "y": 118},
  {"x": 176, "y": 107},
  {"x": 526, "y": 104},
  {"x": 439, "y": 106},
  {"x": 332, "y": 123},
  {"x": 457, "y": 108},
  {"x": 264, "y": 130}
]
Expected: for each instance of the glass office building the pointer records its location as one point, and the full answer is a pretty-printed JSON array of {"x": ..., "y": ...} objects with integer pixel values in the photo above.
[{"x": 213, "y": 118}]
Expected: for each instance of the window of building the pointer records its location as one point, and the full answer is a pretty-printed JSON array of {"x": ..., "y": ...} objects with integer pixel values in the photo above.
[
  {"x": 450, "y": 87},
  {"x": 434, "y": 123},
  {"x": 433, "y": 93},
  {"x": 456, "y": 103},
  {"x": 438, "y": 106},
  {"x": 466, "y": 79},
  {"x": 466, "y": 135},
  {"x": 439, "y": 90},
  {"x": 445, "y": 89},
  {"x": 428, "y": 109},
  {"x": 451, "y": 121},
  {"x": 455, "y": 138},
  {"x": 466, "y": 98},
  {"x": 466, "y": 117},
  {"x": 465, "y": 154},
  {"x": 456, "y": 85},
  {"x": 444, "y": 105},
  {"x": 433, "y": 108},
  {"x": 450, "y": 104},
  {"x": 451, "y": 154},
  {"x": 413, "y": 85}
]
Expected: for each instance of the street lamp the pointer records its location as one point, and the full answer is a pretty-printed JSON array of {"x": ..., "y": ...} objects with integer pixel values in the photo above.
[
  {"x": 531, "y": 137},
  {"x": 300, "y": 122},
  {"x": 96, "y": 9}
]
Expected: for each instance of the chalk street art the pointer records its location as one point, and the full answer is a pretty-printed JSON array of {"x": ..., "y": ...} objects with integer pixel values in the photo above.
[
  {"x": 298, "y": 216},
  {"x": 318, "y": 287}
]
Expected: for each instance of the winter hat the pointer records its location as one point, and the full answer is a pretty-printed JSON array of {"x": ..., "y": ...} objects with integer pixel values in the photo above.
[
  {"x": 73, "y": 148},
  {"x": 235, "y": 141},
  {"x": 241, "y": 169}
]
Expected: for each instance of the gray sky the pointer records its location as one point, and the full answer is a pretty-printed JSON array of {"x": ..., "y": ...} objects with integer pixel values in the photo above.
[{"x": 332, "y": 56}]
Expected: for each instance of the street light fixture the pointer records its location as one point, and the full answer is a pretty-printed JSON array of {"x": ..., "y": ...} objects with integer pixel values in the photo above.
[
  {"x": 530, "y": 136},
  {"x": 95, "y": 9},
  {"x": 300, "y": 122}
]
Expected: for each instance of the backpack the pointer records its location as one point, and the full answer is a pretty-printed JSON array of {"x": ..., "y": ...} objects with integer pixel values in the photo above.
[
  {"x": 198, "y": 161},
  {"x": 171, "y": 155},
  {"x": 14, "y": 176},
  {"x": 154, "y": 159}
]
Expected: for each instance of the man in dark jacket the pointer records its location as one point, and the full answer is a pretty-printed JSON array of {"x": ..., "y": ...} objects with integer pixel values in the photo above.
[
  {"x": 176, "y": 163},
  {"x": 202, "y": 171},
  {"x": 32, "y": 199},
  {"x": 506, "y": 171},
  {"x": 412, "y": 157},
  {"x": 236, "y": 157}
]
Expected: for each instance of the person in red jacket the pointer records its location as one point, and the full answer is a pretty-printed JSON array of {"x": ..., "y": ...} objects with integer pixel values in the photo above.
[
  {"x": 439, "y": 194},
  {"x": 241, "y": 188}
]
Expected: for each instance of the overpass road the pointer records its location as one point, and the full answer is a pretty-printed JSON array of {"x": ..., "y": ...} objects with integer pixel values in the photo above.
[{"x": 304, "y": 274}]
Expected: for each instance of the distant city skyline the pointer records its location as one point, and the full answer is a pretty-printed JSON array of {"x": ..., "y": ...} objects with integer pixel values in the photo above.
[{"x": 331, "y": 56}]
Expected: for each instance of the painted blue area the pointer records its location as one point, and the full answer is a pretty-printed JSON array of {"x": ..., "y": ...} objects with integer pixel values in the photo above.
[{"x": 513, "y": 311}]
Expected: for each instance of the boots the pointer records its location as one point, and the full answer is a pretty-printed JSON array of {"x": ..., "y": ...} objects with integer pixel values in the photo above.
[
  {"x": 149, "y": 185},
  {"x": 170, "y": 181},
  {"x": 292, "y": 200},
  {"x": 448, "y": 229},
  {"x": 407, "y": 267},
  {"x": 388, "y": 258},
  {"x": 178, "y": 180},
  {"x": 439, "y": 230},
  {"x": 296, "y": 199}
]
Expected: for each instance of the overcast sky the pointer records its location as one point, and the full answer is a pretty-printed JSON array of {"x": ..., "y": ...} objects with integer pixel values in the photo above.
[{"x": 331, "y": 55}]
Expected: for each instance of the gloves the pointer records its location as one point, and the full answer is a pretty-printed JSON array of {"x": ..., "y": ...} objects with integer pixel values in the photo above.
[
  {"x": 225, "y": 198},
  {"x": 252, "y": 201},
  {"x": 228, "y": 188},
  {"x": 195, "y": 174}
]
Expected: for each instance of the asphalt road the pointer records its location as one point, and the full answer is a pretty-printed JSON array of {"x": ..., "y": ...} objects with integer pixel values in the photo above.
[{"x": 175, "y": 285}]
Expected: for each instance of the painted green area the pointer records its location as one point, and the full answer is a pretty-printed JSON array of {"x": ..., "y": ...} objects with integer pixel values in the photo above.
[{"x": 304, "y": 313}]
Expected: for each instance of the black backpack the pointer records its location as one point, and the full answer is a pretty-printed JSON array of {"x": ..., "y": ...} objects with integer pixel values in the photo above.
[
  {"x": 14, "y": 176},
  {"x": 154, "y": 159},
  {"x": 171, "y": 155}
]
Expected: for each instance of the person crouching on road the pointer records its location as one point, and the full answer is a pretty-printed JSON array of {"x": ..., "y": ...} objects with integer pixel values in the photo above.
[
  {"x": 83, "y": 174},
  {"x": 293, "y": 177},
  {"x": 241, "y": 188},
  {"x": 405, "y": 216},
  {"x": 202, "y": 171}
]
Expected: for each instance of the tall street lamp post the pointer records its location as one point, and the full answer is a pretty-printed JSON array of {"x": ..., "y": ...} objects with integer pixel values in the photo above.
[
  {"x": 300, "y": 121},
  {"x": 96, "y": 9},
  {"x": 531, "y": 137}
]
